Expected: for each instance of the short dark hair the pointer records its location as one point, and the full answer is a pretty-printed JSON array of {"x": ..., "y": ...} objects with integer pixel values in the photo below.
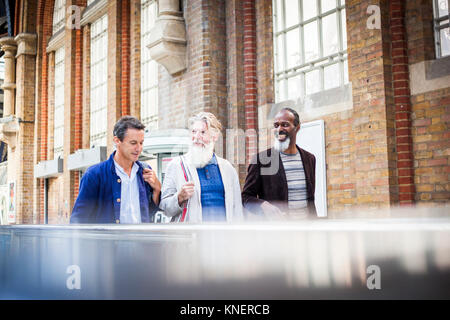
[
  {"x": 125, "y": 123},
  {"x": 296, "y": 117}
]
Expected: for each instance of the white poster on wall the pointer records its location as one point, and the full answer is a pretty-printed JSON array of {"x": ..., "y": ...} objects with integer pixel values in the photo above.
[
  {"x": 12, "y": 202},
  {"x": 311, "y": 137}
]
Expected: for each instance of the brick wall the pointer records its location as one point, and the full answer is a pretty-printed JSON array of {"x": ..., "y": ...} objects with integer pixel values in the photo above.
[
  {"x": 372, "y": 122},
  {"x": 400, "y": 83},
  {"x": 430, "y": 113},
  {"x": 202, "y": 86},
  {"x": 135, "y": 58},
  {"x": 431, "y": 145},
  {"x": 230, "y": 73}
]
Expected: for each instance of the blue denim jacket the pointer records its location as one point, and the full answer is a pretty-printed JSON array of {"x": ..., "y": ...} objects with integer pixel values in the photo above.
[{"x": 100, "y": 194}]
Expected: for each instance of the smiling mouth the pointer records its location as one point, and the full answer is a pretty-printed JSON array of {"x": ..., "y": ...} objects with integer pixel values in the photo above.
[{"x": 281, "y": 136}]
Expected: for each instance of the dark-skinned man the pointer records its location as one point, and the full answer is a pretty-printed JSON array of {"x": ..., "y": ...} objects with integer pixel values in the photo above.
[{"x": 280, "y": 181}]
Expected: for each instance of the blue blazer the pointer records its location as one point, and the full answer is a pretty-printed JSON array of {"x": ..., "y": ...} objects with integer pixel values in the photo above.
[{"x": 100, "y": 194}]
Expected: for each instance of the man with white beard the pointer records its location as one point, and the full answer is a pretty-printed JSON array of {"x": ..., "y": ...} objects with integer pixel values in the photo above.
[
  {"x": 280, "y": 181},
  {"x": 201, "y": 186}
]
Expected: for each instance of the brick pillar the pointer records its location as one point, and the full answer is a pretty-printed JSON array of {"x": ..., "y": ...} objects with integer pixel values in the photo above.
[
  {"x": 70, "y": 109},
  {"x": 135, "y": 58},
  {"x": 78, "y": 125},
  {"x": 21, "y": 159},
  {"x": 373, "y": 120},
  {"x": 405, "y": 158},
  {"x": 125, "y": 58},
  {"x": 114, "y": 69},
  {"x": 86, "y": 109},
  {"x": 264, "y": 69},
  {"x": 250, "y": 80},
  {"x": 44, "y": 30},
  {"x": 235, "y": 78}
]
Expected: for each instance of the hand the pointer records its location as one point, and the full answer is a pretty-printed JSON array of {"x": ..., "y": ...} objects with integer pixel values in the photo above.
[
  {"x": 271, "y": 211},
  {"x": 186, "y": 192},
  {"x": 150, "y": 177}
]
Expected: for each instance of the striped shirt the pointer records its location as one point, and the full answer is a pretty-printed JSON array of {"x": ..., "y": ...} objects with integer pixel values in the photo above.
[{"x": 296, "y": 181}]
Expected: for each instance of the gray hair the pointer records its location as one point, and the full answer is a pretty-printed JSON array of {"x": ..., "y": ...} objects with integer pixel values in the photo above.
[
  {"x": 210, "y": 120},
  {"x": 125, "y": 123}
]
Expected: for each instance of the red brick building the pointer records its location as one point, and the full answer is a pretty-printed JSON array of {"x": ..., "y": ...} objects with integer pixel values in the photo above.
[{"x": 376, "y": 72}]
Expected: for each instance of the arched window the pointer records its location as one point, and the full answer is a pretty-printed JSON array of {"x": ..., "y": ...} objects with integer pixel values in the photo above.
[
  {"x": 149, "y": 67},
  {"x": 58, "y": 132},
  {"x": 99, "y": 79}
]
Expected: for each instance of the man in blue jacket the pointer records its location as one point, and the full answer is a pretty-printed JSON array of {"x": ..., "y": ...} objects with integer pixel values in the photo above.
[{"x": 120, "y": 189}]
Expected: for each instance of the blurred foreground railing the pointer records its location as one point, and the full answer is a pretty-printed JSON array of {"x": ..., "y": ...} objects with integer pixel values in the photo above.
[{"x": 318, "y": 259}]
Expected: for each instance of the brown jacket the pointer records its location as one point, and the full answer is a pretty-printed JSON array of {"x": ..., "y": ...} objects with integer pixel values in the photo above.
[{"x": 265, "y": 183}]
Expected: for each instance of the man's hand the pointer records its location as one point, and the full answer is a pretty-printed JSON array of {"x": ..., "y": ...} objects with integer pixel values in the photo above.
[
  {"x": 150, "y": 177},
  {"x": 186, "y": 192},
  {"x": 271, "y": 211}
]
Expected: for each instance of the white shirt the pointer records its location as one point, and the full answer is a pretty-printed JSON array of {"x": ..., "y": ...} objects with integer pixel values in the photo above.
[{"x": 130, "y": 210}]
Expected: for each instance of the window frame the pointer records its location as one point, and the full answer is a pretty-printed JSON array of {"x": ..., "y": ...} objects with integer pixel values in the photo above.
[
  {"x": 98, "y": 137},
  {"x": 57, "y": 47},
  {"x": 437, "y": 27},
  {"x": 282, "y": 73},
  {"x": 148, "y": 118}
]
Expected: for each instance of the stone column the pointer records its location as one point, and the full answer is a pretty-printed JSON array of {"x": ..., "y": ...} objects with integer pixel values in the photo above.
[{"x": 8, "y": 45}]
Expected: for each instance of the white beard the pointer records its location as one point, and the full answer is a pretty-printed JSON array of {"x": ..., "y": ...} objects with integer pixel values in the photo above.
[
  {"x": 281, "y": 146},
  {"x": 200, "y": 156}
]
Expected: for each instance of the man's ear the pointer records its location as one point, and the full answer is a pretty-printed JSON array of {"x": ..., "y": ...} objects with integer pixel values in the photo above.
[
  {"x": 116, "y": 140},
  {"x": 298, "y": 128}
]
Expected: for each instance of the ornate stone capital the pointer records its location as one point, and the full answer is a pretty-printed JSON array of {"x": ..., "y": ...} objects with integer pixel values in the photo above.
[
  {"x": 26, "y": 44},
  {"x": 9, "y": 128},
  {"x": 167, "y": 42},
  {"x": 9, "y": 45}
]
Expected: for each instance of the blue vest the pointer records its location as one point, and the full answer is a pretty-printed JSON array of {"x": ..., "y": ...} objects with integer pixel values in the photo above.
[{"x": 213, "y": 192}]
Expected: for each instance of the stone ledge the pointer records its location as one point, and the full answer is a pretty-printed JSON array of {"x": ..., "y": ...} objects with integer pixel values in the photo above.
[
  {"x": 429, "y": 75},
  {"x": 9, "y": 128},
  {"x": 26, "y": 44}
]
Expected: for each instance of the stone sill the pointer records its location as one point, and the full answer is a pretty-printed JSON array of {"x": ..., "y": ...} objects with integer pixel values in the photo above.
[{"x": 429, "y": 75}]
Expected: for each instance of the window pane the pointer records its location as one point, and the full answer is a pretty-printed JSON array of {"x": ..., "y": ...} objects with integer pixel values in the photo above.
[
  {"x": 99, "y": 76},
  {"x": 149, "y": 68},
  {"x": 311, "y": 41},
  {"x": 292, "y": 48},
  {"x": 294, "y": 89},
  {"x": 445, "y": 42},
  {"x": 291, "y": 13},
  {"x": 281, "y": 90},
  {"x": 280, "y": 53},
  {"x": 279, "y": 14},
  {"x": 59, "y": 11},
  {"x": 344, "y": 30},
  {"x": 442, "y": 8},
  {"x": 331, "y": 76},
  {"x": 309, "y": 9},
  {"x": 329, "y": 35},
  {"x": 327, "y": 5},
  {"x": 58, "y": 118},
  {"x": 312, "y": 80}
]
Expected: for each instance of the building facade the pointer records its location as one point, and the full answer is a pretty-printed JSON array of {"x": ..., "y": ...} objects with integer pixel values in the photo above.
[{"x": 377, "y": 73}]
